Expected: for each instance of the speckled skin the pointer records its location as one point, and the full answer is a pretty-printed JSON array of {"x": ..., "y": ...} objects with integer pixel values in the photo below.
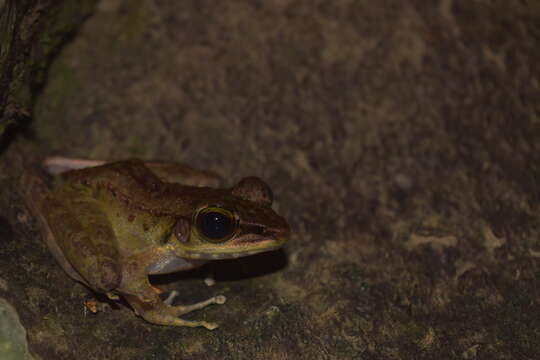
[{"x": 110, "y": 226}]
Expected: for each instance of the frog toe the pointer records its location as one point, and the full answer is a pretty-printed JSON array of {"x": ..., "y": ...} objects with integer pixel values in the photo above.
[
  {"x": 184, "y": 309},
  {"x": 168, "y": 320},
  {"x": 167, "y": 316}
]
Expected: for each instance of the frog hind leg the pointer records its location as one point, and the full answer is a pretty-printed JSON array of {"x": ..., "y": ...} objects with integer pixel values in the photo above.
[
  {"x": 36, "y": 193},
  {"x": 55, "y": 165},
  {"x": 184, "y": 174},
  {"x": 89, "y": 246},
  {"x": 155, "y": 311},
  {"x": 166, "y": 170}
]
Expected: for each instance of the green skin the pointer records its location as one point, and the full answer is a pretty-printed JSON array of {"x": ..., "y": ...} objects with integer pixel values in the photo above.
[{"x": 110, "y": 226}]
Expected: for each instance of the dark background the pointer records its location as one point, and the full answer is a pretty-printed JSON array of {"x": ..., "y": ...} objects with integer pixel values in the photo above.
[{"x": 401, "y": 139}]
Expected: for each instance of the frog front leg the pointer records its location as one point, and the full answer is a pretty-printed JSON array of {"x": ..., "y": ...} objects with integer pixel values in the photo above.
[{"x": 151, "y": 308}]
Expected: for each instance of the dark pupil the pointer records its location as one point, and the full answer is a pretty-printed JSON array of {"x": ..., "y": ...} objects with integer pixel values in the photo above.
[{"x": 215, "y": 225}]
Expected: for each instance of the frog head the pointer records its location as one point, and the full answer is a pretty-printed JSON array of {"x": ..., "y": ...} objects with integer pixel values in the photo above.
[{"x": 232, "y": 223}]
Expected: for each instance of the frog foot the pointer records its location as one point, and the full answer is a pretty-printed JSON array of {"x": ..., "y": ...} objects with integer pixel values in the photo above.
[
  {"x": 163, "y": 314},
  {"x": 169, "y": 314}
]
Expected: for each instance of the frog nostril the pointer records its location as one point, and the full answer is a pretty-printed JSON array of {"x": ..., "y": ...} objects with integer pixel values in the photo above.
[
  {"x": 264, "y": 231},
  {"x": 258, "y": 230}
]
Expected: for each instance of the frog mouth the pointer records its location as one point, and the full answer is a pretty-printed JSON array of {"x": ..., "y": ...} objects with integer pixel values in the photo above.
[
  {"x": 227, "y": 255},
  {"x": 246, "y": 246}
]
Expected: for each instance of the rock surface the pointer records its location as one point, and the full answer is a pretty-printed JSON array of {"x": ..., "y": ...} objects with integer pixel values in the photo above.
[
  {"x": 402, "y": 142},
  {"x": 13, "y": 345}
]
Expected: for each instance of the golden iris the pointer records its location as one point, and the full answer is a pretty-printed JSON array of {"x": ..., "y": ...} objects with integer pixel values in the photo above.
[{"x": 216, "y": 224}]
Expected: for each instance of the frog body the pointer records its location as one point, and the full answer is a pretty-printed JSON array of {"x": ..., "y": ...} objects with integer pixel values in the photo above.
[{"x": 110, "y": 225}]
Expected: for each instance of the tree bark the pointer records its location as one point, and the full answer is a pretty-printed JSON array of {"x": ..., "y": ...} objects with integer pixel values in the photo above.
[{"x": 31, "y": 33}]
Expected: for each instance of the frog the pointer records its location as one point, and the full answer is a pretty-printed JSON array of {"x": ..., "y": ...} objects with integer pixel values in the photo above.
[{"x": 111, "y": 224}]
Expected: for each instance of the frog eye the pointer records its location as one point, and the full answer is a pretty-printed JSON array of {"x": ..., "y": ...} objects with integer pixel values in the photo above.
[{"x": 216, "y": 224}]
